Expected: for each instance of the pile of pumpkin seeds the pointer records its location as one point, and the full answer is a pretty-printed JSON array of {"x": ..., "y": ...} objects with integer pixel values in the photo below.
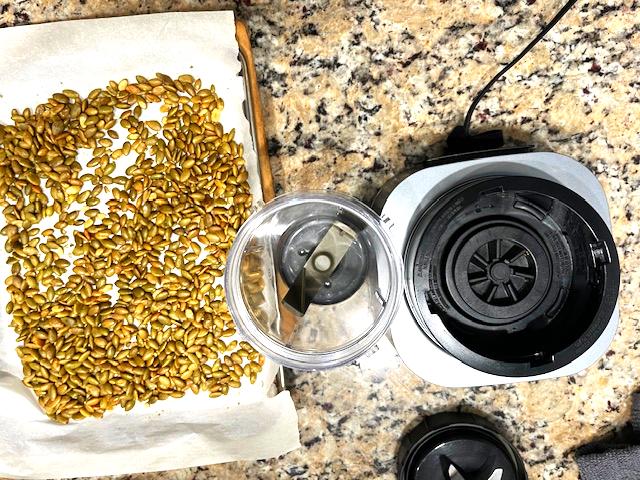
[{"x": 120, "y": 301}]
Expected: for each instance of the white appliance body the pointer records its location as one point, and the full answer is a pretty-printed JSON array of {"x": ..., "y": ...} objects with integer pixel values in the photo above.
[{"x": 404, "y": 206}]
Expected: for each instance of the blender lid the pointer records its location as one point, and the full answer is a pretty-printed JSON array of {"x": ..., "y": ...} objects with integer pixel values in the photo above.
[{"x": 313, "y": 280}]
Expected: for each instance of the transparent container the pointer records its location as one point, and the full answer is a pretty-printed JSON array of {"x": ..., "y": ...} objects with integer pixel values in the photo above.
[{"x": 312, "y": 280}]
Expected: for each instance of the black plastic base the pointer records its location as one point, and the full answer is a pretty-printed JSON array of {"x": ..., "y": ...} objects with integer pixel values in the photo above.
[
  {"x": 464, "y": 440},
  {"x": 521, "y": 273}
]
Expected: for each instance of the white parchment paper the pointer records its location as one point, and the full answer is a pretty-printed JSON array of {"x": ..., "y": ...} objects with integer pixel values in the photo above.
[{"x": 249, "y": 423}]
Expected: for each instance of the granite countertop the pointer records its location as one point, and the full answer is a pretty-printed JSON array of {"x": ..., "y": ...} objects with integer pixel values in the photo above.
[{"x": 353, "y": 91}]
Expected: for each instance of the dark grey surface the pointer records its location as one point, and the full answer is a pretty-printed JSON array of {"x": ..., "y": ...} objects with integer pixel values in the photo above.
[{"x": 613, "y": 459}]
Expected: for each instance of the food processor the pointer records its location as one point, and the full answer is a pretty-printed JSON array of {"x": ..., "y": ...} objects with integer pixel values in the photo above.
[
  {"x": 510, "y": 266},
  {"x": 489, "y": 265},
  {"x": 487, "y": 270}
]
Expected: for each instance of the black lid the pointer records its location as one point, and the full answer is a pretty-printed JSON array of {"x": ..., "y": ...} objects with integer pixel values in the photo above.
[{"x": 457, "y": 446}]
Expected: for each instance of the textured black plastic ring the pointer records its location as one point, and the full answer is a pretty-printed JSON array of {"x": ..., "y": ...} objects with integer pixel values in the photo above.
[
  {"x": 579, "y": 222},
  {"x": 495, "y": 290},
  {"x": 440, "y": 240}
]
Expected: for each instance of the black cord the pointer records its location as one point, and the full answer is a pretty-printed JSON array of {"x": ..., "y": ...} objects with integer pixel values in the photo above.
[{"x": 483, "y": 92}]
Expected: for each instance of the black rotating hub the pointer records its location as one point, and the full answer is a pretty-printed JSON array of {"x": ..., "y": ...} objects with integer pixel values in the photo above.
[
  {"x": 521, "y": 274},
  {"x": 498, "y": 273},
  {"x": 501, "y": 272}
]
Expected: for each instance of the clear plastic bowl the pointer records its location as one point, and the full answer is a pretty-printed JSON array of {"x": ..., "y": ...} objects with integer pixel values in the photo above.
[{"x": 312, "y": 280}]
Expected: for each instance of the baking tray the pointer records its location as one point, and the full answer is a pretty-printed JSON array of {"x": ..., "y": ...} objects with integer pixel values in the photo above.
[{"x": 253, "y": 112}]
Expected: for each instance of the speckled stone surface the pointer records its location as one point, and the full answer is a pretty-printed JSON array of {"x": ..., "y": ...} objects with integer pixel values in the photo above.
[{"x": 352, "y": 92}]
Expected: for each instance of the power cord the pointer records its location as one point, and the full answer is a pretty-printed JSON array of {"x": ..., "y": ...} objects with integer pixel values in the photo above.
[{"x": 461, "y": 139}]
